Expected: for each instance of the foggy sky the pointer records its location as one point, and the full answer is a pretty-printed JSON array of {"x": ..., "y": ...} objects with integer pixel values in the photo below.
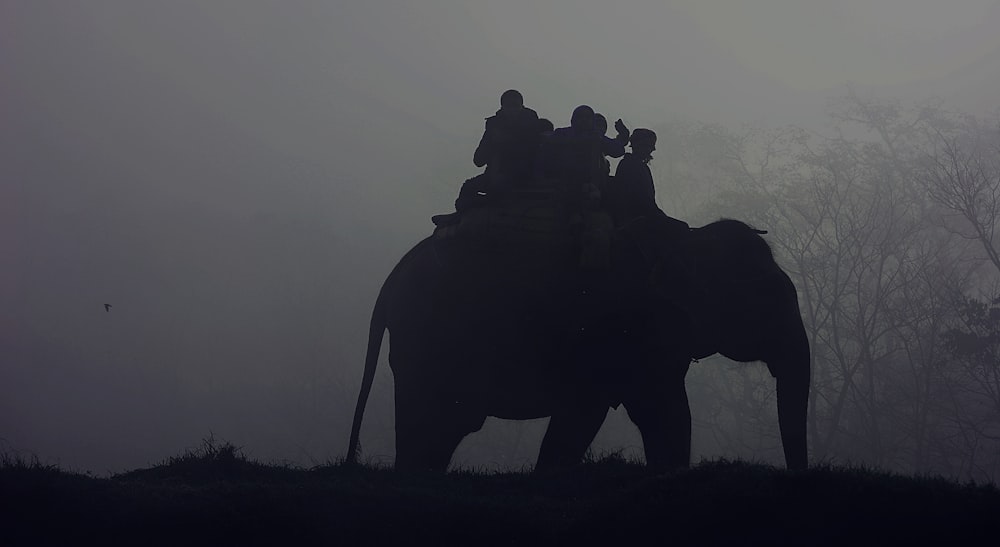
[{"x": 237, "y": 177}]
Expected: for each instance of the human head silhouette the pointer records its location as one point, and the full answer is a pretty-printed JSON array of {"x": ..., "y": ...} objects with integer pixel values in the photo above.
[
  {"x": 600, "y": 123},
  {"x": 643, "y": 142},
  {"x": 583, "y": 118},
  {"x": 511, "y": 99}
]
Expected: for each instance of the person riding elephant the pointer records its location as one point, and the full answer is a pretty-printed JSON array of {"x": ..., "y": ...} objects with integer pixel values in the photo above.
[
  {"x": 508, "y": 149},
  {"x": 510, "y": 141},
  {"x": 631, "y": 194},
  {"x": 576, "y": 152}
]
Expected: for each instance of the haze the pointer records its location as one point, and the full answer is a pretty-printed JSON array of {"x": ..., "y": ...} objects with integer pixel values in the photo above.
[{"x": 236, "y": 178}]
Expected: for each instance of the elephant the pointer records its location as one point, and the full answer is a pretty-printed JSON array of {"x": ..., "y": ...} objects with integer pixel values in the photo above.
[{"x": 481, "y": 330}]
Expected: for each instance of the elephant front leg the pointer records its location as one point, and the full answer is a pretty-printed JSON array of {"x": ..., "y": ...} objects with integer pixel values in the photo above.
[
  {"x": 659, "y": 408},
  {"x": 569, "y": 435}
]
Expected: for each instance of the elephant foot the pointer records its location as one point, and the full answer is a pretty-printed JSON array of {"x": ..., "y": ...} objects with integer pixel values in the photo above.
[{"x": 569, "y": 436}]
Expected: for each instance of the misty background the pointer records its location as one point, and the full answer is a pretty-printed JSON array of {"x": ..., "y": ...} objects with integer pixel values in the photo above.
[{"x": 237, "y": 178}]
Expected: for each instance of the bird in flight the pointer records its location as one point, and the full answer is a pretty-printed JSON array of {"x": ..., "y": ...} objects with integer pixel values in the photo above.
[{"x": 107, "y": 307}]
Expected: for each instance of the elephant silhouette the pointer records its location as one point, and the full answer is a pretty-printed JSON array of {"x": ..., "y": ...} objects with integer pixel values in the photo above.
[{"x": 481, "y": 330}]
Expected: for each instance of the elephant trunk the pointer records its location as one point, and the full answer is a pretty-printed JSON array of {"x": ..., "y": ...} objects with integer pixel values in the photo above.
[{"x": 793, "y": 402}]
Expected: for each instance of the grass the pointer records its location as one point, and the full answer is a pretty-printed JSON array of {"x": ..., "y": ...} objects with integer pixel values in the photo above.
[{"x": 216, "y": 495}]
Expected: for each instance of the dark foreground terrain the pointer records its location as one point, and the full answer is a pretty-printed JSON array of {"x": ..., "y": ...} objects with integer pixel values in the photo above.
[{"x": 216, "y": 496}]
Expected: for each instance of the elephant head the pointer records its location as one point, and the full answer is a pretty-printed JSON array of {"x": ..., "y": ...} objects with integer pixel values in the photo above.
[{"x": 744, "y": 306}]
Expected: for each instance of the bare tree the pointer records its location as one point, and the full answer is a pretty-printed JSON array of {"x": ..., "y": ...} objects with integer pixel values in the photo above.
[
  {"x": 961, "y": 171},
  {"x": 883, "y": 224}
]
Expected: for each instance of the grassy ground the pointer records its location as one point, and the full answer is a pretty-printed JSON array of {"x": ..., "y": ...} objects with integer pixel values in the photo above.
[{"x": 217, "y": 496}]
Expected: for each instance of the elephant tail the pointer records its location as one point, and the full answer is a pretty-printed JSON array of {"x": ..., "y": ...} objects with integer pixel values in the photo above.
[{"x": 376, "y": 331}]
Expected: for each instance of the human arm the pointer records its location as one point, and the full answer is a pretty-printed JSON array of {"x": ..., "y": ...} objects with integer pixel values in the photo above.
[
  {"x": 612, "y": 148},
  {"x": 615, "y": 148},
  {"x": 623, "y": 133},
  {"x": 483, "y": 151}
]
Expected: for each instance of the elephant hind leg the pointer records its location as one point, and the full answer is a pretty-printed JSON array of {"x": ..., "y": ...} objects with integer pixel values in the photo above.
[
  {"x": 569, "y": 435},
  {"x": 429, "y": 429}
]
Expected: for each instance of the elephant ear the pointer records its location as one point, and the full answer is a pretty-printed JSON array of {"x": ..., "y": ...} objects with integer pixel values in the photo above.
[
  {"x": 732, "y": 251},
  {"x": 675, "y": 280}
]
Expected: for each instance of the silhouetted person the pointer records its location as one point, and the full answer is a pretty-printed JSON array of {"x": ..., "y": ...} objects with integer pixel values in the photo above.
[
  {"x": 631, "y": 194},
  {"x": 545, "y": 128},
  {"x": 572, "y": 153},
  {"x": 577, "y": 151},
  {"x": 508, "y": 149},
  {"x": 510, "y": 141}
]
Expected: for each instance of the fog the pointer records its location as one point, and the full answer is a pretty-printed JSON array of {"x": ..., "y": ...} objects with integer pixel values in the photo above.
[{"x": 237, "y": 178}]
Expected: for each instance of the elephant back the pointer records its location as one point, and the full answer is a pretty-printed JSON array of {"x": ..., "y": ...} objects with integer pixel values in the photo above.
[{"x": 523, "y": 219}]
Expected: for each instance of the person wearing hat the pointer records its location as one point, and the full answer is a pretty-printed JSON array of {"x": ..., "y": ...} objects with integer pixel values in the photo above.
[{"x": 631, "y": 194}]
